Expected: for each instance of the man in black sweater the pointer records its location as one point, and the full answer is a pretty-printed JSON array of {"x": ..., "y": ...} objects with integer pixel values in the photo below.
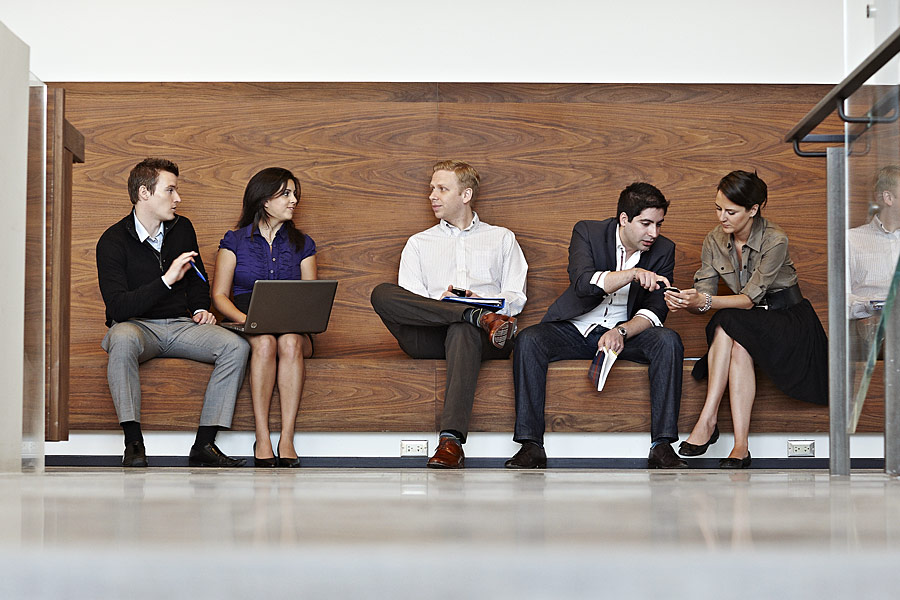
[{"x": 157, "y": 304}]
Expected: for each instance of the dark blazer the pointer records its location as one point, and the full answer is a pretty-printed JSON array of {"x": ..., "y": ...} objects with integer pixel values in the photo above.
[{"x": 592, "y": 249}]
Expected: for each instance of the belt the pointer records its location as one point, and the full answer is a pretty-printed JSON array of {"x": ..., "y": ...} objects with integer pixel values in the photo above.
[{"x": 782, "y": 299}]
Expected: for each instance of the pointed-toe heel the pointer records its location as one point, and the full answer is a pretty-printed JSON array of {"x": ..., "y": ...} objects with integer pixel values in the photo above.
[
  {"x": 263, "y": 462},
  {"x": 688, "y": 449}
]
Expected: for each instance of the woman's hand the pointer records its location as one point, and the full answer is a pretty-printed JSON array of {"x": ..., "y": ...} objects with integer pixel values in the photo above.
[{"x": 685, "y": 299}]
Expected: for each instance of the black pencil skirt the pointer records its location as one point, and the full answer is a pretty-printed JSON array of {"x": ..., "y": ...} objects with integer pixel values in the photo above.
[{"x": 789, "y": 345}]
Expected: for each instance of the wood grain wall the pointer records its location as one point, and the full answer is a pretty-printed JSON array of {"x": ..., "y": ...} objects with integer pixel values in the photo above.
[{"x": 549, "y": 155}]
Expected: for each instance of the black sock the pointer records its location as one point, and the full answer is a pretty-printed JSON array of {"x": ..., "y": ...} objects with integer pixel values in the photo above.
[
  {"x": 473, "y": 315},
  {"x": 132, "y": 431},
  {"x": 206, "y": 434}
]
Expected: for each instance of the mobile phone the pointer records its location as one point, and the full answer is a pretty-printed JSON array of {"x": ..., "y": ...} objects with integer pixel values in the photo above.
[
  {"x": 671, "y": 289},
  {"x": 458, "y": 292}
]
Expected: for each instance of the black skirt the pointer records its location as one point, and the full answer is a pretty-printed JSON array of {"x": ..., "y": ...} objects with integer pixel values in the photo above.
[{"x": 789, "y": 345}]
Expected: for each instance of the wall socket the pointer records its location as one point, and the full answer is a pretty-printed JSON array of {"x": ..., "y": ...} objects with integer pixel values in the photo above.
[
  {"x": 413, "y": 447},
  {"x": 801, "y": 448}
]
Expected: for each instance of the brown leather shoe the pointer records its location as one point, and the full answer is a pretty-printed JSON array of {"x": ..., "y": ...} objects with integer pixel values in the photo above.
[
  {"x": 449, "y": 455},
  {"x": 663, "y": 457},
  {"x": 499, "y": 328}
]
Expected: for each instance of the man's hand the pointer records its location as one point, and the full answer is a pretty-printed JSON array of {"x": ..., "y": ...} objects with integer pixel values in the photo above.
[
  {"x": 178, "y": 268},
  {"x": 612, "y": 339},
  {"x": 648, "y": 279},
  {"x": 204, "y": 317},
  {"x": 449, "y": 293}
]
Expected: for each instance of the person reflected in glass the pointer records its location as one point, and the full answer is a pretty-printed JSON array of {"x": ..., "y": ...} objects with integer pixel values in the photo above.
[
  {"x": 765, "y": 322},
  {"x": 267, "y": 245},
  {"x": 873, "y": 251}
]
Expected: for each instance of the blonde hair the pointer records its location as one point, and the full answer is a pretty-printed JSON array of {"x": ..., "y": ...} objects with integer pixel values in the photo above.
[
  {"x": 886, "y": 180},
  {"x": 465, "y": 173}
]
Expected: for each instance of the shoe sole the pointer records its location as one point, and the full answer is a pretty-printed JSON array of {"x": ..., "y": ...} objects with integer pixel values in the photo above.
[
  {"x": 437, "y": 465},
  {"x": 505, "y": 332},
  {"x": 194, "y": 463},
  {"x": 524, "y": 468},
  {"x": 137, "y": 463},
  {"x": 659, "y": 466}
]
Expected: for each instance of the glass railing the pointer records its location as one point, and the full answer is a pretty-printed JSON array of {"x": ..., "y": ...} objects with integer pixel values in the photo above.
[{"x": 863, "y": 242}]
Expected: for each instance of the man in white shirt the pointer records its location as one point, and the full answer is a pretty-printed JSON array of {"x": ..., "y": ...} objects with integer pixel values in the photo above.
[
  {"x": 615, "y": 301},
  {"x": 466, "y": 255},
  {"x": 873, "y": 251}
]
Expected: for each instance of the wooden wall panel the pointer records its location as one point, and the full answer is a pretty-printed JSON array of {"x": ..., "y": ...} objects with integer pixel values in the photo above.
[{"x": 549, "y": 156}]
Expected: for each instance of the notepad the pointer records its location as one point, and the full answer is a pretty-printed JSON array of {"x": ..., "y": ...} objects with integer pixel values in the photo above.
[
  {"x": 602, "y": 363},
  {"x": 491, "y": 303}
]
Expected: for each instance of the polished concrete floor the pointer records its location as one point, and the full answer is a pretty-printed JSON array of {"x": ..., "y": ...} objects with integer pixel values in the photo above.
[{"x": 409, "y": 533}]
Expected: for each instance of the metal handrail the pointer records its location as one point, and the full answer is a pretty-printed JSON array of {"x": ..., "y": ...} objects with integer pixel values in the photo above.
[{"x": 855, "y": 80}]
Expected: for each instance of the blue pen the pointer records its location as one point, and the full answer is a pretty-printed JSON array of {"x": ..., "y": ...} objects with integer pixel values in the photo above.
[{"x": 199, "y": 274}]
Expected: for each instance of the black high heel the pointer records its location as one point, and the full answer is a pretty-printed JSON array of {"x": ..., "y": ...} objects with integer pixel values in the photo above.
[
  {"x": 735, "y": 463},
  {"x": 288, "y": 463},
  {"x": 263, "y": 462},
  {"x": 687, "y": 449}
]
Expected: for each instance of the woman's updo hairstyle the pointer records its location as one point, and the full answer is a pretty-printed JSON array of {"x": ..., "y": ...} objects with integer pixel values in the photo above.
[{"x": 745, "y": 189}]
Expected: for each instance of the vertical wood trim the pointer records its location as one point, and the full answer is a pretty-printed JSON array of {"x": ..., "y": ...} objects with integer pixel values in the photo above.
[{"x": 59, "y": 222}]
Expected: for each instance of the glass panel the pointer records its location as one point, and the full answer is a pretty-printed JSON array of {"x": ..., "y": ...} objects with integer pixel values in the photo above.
[
  {"x": 873, "y": 216},
  {"x": 35, "y": 267}
]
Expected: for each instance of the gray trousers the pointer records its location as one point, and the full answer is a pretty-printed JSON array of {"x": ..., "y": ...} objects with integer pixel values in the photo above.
[
  {"x": 427, "y": 328},
  {"x": 137, "y": 340}
]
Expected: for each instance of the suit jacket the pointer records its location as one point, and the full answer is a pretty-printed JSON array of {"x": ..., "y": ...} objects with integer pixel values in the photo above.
[{"x": 592, "y": 249}]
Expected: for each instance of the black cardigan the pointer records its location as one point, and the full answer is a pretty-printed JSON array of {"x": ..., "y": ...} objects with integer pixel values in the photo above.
[{"x": 130, "y": 273}]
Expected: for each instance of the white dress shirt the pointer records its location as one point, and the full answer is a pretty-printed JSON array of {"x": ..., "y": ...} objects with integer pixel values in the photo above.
[
  {"x": 873, "y": 254},
  {"x": 614, "y": 307},
  {"x": 482, "y": 258}
]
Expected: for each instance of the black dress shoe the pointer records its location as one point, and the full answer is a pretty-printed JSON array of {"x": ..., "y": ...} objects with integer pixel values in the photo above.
[
  {"x": 663, "y": 457},
  {"x": 688, "y": 449},
  {"x": 529, "y": 456},
  {"x": 209, "y": 455},
  {"x": 263, "y": 462},
  {"x": 135, "y": 455},
  {"x": 735, "y": 463}
]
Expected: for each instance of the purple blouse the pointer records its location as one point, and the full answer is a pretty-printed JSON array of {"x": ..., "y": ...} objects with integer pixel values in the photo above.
[{"x": 256, "y": 261}]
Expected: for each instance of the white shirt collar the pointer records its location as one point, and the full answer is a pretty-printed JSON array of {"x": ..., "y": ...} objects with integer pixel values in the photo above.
[
  {"x": 449, "y": 227},
  {"x": 142, "y": 233}
]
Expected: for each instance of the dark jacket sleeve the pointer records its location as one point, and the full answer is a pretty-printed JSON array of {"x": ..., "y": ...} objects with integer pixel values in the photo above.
[
  {"x": 581, "y": 263},
  {"x": 112, "y": 269},
  {"x": 662, "y": 262}
]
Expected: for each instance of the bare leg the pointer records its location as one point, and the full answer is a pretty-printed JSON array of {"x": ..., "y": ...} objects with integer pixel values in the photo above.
[
  {"x": 262, "y": 383},
  {"x": 719, "y": 360},
  {"x": 741, "y": 392},
  {"x": 293, "y": 349}
]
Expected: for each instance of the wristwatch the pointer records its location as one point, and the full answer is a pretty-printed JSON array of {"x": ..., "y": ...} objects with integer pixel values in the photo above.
[{"x": 622, "y": 331}]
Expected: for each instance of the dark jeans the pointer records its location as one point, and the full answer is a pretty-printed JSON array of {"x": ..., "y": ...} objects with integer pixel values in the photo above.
[
  {"x": 427, "y": 328},
  {"x": 541, "y": 344}
]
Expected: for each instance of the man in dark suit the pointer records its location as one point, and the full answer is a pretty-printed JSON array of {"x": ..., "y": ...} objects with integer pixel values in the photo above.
[{"x": 617, "y": 268}]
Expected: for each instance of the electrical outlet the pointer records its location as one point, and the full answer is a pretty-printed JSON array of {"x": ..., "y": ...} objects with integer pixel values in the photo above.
[
  {"x": 413, "y": 447},
  {"x": 801, "y": 448}
]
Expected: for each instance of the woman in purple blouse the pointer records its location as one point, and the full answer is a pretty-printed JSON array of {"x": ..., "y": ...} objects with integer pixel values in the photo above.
[{"x": 267, "y": 245}]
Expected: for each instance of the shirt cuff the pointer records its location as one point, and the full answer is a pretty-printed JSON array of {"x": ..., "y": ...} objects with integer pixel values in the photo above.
[
  {"x": 599, "y": 279},
  {"x": 649, "y": 315},
  {"x": 200, "y": 310},
  {"x": 165, "y": 284}
]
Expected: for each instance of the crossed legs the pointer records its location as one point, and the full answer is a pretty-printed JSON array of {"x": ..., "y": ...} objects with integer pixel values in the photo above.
[{"x": 729, "y": 365}]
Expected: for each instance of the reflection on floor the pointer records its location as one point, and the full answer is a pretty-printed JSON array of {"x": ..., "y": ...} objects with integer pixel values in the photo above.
[{"x": 335, "y": 533}]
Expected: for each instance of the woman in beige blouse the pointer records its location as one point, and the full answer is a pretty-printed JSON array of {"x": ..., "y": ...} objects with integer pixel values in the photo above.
[{"x": 765, "y": 321}]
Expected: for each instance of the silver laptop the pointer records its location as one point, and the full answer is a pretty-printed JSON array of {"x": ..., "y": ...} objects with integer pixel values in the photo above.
[{"x": 281, "y": 306}]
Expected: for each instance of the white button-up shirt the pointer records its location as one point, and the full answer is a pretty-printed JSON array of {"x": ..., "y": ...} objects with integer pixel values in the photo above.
[
  {"x": 614, "y": 307},
  {"x": 872, "y": 253},
  {"x": 483, "y": 258}
]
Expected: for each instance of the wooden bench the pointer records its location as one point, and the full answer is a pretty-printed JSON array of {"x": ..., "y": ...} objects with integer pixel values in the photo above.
[{"x": 549, "y": 155}]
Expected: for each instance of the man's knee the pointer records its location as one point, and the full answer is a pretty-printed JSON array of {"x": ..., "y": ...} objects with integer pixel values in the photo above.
[
  {"x": 380, "y": 295},
  {"x": 668, "y": 342},
  {"x": 124, "y": 339},
  {"x": 235, "y": 345},
  {"x": 463, "y": 334}
]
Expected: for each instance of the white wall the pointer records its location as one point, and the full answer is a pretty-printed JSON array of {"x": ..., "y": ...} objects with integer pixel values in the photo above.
[
  {"x": 683, "y": 41},
  {"x": 711, "y": 41},
  {"x": 13, "y": 165}
]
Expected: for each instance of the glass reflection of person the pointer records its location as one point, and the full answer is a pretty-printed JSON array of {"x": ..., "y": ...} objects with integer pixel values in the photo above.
[{"x": 873, "y": 250}]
